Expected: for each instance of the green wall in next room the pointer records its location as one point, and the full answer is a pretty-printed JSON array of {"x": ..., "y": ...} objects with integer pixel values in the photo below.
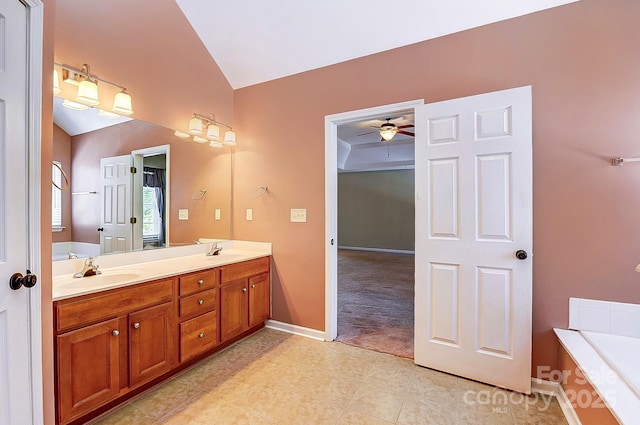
[{"x": 376, "y": 209}]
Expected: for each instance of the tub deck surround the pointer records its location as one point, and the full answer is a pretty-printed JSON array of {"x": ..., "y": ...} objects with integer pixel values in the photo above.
[
  {"x": 119, "y": 270},
  {"x": 614, "y": 391}
]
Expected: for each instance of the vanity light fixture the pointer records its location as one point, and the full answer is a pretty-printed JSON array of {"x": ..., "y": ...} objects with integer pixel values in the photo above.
[
  {"x": 88, "y": 90},
  {"x": 201, "y": 126},
  {"x": 74, "y": 105},
  {"x": 181, "y": 134},
  {"x": 107, "y": 114}
]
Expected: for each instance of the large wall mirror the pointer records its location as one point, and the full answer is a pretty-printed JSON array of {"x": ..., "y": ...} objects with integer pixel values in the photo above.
[{"x": 180, "y": 193}]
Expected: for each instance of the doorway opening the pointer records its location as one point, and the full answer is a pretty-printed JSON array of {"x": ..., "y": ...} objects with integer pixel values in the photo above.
[{"x": 360, "y": 277}]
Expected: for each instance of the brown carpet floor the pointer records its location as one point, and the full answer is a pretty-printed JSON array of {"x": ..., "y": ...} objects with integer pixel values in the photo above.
[{"x": 375, "y": 301}]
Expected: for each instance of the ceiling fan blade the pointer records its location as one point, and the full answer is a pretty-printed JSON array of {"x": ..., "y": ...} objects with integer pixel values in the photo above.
[
  {"x": 363, "y": 134},
  {"x": 406, "y": 133},
  {"x": 406, "y": 126}
]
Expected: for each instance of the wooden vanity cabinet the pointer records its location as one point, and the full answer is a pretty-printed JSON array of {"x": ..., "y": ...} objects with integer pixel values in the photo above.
[
  {"x": 198, "y": 313},
  {"x": 244, "y": 296}
]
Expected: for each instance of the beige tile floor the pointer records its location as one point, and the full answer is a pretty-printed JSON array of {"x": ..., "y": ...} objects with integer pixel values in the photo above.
[{"x": 277, "y": 378}]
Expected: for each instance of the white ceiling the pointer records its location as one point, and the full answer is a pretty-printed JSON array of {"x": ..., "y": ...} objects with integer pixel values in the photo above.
[
  {"x": 257, "y": 41},
  {"x": 79, "y": 122}
]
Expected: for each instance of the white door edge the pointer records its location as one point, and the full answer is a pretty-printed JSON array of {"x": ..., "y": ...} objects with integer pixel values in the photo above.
[
  {"x": 34, "y": 132},
  {"x": 331, "y": 201}
]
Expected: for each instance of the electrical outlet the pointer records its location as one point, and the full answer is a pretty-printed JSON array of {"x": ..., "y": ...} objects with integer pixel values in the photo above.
[
  {"x": 217, "y": 214},
  {"x": 249, "y": 214},
  {"x": 183, "y": 214},
  {"x": 298, "y": 215}
]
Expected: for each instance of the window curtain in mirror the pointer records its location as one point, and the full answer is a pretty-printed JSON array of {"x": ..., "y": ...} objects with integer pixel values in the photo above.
[{"x": 155, "y": 178}]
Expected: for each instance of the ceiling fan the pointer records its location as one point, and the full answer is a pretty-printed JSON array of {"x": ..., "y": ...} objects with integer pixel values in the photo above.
[{"x": 388, "y": 130}]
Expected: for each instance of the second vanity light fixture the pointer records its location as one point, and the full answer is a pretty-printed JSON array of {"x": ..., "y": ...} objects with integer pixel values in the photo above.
[
  {"x": 88, "y": 95},
  {"x": 206, "y": 130}
]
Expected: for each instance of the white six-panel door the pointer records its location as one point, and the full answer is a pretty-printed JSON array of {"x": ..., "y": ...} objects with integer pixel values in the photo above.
[
  {"x": 115, "y": 208},
  {"x": 15, "y": 395},
  {"x": 473, "y": 214}
]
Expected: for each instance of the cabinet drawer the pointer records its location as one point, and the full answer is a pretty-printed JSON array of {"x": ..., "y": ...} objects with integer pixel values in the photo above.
[
  {"x": 103, "y": 305},
  {"x": 199, "y": 303},
  {"x": 197, "y": 282},
  {"x": 245, "y": 269},
  {"x": 198, "y": 335}
]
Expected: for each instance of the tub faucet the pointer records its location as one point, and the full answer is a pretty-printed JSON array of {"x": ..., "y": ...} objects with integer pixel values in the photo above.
[
  {"x": 214, "y": 249},
  {"x": 89, "y": 269},
  {"x": 72, "y": 255}
]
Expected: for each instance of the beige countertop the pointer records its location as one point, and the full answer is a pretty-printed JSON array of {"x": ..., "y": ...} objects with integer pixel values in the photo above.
[{"x": 148, "y": 268}]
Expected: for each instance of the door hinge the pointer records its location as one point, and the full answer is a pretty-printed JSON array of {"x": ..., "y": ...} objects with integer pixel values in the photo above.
[
  {"x": 133, "y": 170},
  {"x": 133, "y": 220}
]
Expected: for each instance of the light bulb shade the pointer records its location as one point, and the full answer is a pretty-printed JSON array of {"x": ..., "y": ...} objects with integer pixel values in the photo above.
[
  {"x": 74, "y": 105},
  {"x": 230, "y": 138},
  {"x": 195, "y": 126},
  {"x": 56, "y": 82},
  {"x": 107, "y": 114},
  {"x": 200, "y": 139},
  {"x": 88, "y": 93},
  {"x": 387, "y": 131},
  {"x": 181, "y": 134},
  {"x": 214, "y": 144},
  {"x": 122, "y": 103},
  {"x": 213, "y": 132}
]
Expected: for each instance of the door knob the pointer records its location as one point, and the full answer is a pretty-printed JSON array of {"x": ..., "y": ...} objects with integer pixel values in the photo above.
[
  {"x": 521, "y": 254},
  {"x": 100, "y": 229},
  {"x": 17, "y": 280}
]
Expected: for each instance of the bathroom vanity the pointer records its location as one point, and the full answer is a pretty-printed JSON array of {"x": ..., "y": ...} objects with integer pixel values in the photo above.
[{"x": 124, "y": 331}]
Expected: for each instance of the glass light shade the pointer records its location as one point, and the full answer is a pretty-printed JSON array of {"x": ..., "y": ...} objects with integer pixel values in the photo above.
[
  {"x": 388, "y": 133},
  {"x": 56, "y": 82},
  {"x": 88, "y": 93},
  {"x": 213, "y": 132},
  {"x": 122, "y": 103},
  {"x": 107, "y": 114},
  {"x": 181, "y": 134},
  {"x": 200, "y": 139},
  {"x": 74, "y": 105},
  {"x": 230, "y": 138},
  {"x": 215, "y": 144},
  {"x": 195, "y": 126}
]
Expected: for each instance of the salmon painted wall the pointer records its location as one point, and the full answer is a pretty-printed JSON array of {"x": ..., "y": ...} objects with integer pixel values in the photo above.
[
  {"x": 46, "y": 153},
  {"x": 193, "y": 166},
  {"x": 149, "y": 47},
  {"x": 581, "y": 61},
  {"x": 62, "y": 154}
]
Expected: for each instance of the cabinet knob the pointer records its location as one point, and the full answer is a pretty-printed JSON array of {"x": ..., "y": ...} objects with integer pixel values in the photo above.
[
  {"x": 115, "y": 332},
  {"x": 201, "y": 282},
  {"x": 136, "y": 325},
  {"x": 201, "y": 335},
  {"x": 200, "y": 302},
  {"x": 244, "y": 289},
  {"x": 253, "y": 286}
]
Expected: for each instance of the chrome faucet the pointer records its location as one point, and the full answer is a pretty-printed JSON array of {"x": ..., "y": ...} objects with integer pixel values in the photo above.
[
  {"x": 214, "y": 249},
  {"x": 72, "y": 255},
  {"x": 89, "y": 269}
]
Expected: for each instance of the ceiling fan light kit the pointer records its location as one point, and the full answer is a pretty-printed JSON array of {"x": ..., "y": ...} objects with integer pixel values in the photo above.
[{"x": 387, "y": 131}]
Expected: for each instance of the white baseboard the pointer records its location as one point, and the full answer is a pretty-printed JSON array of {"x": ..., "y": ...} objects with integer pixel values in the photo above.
[
  {"x": 295, "y": 329},
  {"x": 553, "y": 388},
  {"x": 391, "y": 251}
]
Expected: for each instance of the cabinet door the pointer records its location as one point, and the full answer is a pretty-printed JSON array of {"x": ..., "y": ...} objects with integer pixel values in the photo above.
[
  {"x": 259, "y": 299},
  {"x": 88, "y": 368},
  {"x": 233, "y": 309},
  {"x": 152, "y": 338}
]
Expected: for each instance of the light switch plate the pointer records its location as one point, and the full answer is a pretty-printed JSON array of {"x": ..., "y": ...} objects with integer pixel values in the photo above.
[
  {"x": 183, "y": 214},
  {"x": 298, "y": 215},
  {"x": 217, "y": 214},
  {"x": 249, "y": 214}
]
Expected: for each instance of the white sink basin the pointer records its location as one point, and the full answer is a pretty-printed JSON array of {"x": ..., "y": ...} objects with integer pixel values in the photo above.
[{"x": 98, "y": 281}]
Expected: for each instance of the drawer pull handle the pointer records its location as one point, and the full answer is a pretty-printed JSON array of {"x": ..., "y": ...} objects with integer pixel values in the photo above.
[
  {"x": 201, "y": 335},
  {"x": 136, "y": 325},
  {"x": 200, "y": 302},
  {"x": 253, "y": 286},
  {"x": 244, "y": 289},
  {"x": 201, "y": 282},
  {"x": 115, "y": 332}
]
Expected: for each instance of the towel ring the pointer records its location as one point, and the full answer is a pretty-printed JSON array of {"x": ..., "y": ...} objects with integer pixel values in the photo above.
[{"x": 64, "y": 176}]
